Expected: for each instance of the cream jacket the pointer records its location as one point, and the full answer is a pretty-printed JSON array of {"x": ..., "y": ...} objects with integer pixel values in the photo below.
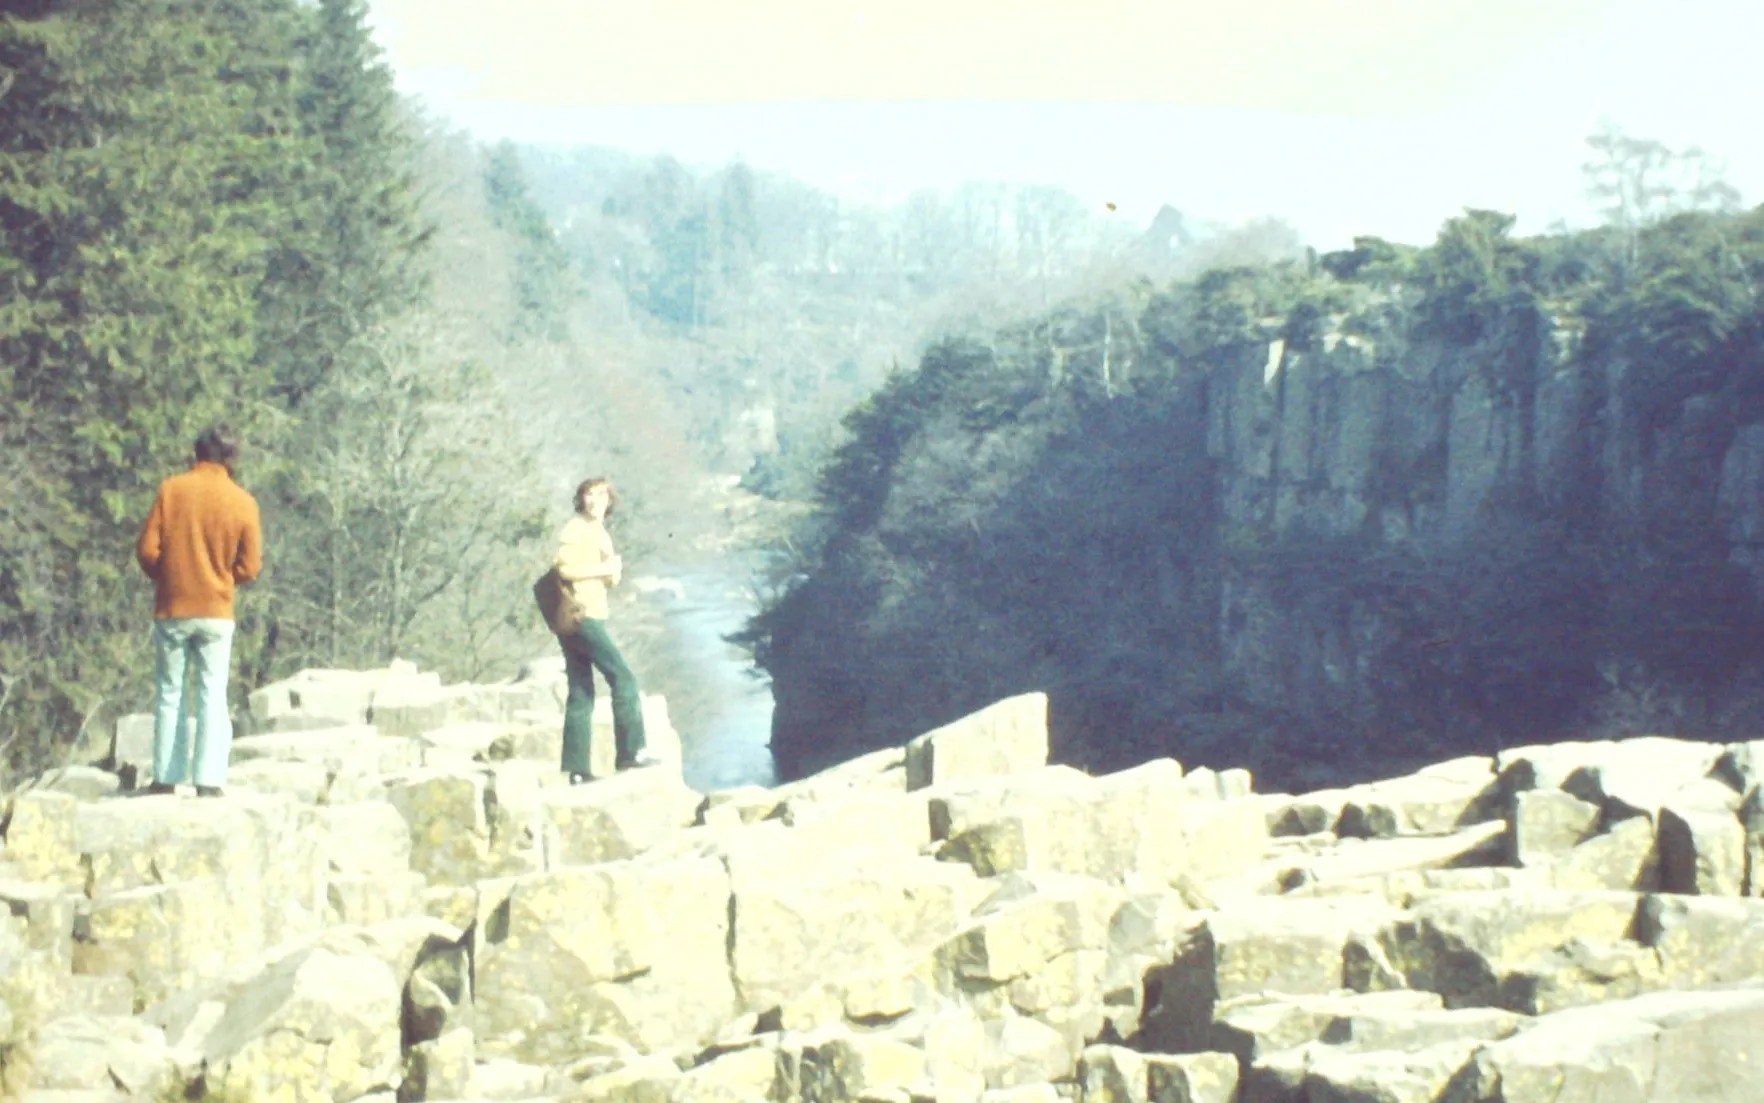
[{"x": 583, "y": 546}]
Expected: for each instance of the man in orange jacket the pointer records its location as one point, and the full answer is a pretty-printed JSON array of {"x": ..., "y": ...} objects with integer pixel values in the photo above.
[{"x": 201, "y": 540}]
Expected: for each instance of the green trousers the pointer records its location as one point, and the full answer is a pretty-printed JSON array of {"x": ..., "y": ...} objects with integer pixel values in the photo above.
[{"x": 592, "y": 648}]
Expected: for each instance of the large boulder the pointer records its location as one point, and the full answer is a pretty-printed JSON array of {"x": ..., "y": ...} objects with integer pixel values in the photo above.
[
  {"x": 1702, "y": 850},
  {"x": 42, "y": 838},
  {"x": 1143, "y": 824},
  {"x": 318, "y": 698},
  {"x": 1022, "y": 1051},
  {"x": 615, "y": 818},
  {"x": 637, "y": 951},
  {"x": 792, "y": 932},
  {"x": 1624, "y": 856},
  {"x": 751, "y": 1072},
  {"x": 108, "y": 1053},
  {"x": 878, "y": 771},
  {"x": 863, "y": 820},
  {"x": 1437, "y": 800},
  {"x": 1253, "y": 1026},
  {"x": 447, "y": 815},
  {"x": 1036, "y": 946},
  {"x": 1005, "y": 737},
  {"x": 1367, "y": 861},
  {"x": 367, "y": 838},
  {"x": 1703, "y": 942},
  {"x": 1418, "y": 1075},
  {"x": 1494, "y": 948},
  {"x": 412, "y": 708},
  {"x": 1667, "y": 1047},
  {"x": 1297, "y": 947},
  {"x": 1548, "y": 823},
  {"x": 162, "y": 938},
  {"x": 320, "y": 1023},
  {"x": 1635, "y": 777},
  {"x": 182, "y": 890},
  {"x": 357, "y": 751},
  {"x": 836, "y": 1066},
  {"x": 44, "y": 915},
  {"x": 306, "y": 782}
]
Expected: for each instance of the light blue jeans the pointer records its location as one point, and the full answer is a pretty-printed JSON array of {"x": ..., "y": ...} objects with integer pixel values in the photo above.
[{"x": 206, "y": 644}]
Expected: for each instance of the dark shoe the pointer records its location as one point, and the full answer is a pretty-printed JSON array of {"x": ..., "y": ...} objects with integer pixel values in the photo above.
[
  {"x": 580, "y": 779},
  {"x": 642, "y": 759},
  {"x": 209, "y": 791},
  {"x": 160, "y": 789}
]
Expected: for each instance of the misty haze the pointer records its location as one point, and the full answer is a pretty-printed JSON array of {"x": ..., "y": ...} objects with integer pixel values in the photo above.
[{"x": 881, "y": 553}]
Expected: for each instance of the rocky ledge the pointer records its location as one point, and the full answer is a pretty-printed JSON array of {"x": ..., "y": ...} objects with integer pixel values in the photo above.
[{"x": 399, "y": 899}]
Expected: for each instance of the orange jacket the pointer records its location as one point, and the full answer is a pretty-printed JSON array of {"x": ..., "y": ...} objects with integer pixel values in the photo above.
[{"x": 202, "y": 537}]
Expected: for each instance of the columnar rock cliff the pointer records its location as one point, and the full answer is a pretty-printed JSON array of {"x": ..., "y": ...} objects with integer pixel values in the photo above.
[
  {"x": 1400, "y": 505},
  {"x": 398, "y": 898}
]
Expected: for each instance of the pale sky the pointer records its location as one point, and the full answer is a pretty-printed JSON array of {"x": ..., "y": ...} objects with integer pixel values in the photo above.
[{"x": 1343, "y": 116}]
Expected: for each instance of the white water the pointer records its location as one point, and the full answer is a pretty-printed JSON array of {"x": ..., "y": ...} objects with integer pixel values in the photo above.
[{"x": 729, "y": 746}]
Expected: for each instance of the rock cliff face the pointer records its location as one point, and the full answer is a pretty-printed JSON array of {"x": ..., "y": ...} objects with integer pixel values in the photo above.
[
  {"x": 425, "y": 912},
  {"x": 1316, "y": 533}
]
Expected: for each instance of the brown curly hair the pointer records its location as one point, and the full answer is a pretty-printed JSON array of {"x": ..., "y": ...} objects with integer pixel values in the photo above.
[{"x": 612, "y": 494}]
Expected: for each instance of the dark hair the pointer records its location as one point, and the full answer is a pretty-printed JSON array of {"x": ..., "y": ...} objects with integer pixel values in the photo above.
[
  {"x": 218, "y": 444},
  {"x": 612, "y": 494}
]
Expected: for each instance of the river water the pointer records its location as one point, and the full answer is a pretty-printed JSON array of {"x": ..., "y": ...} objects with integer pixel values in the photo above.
[{"x": 729, "y": 742}]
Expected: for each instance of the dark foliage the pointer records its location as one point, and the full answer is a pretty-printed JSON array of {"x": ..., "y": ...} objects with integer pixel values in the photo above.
[{"x": 1539, "y": 541}]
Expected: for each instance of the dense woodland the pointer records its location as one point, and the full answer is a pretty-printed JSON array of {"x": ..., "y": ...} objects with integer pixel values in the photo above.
[
  {"x": 212, "y": 212},
  {"x": 1325, "y": 517}
]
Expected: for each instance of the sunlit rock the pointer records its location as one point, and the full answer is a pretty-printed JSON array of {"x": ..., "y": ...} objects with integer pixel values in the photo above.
[
  {"x": 1290, "y": 946},
  {"x": 1659, "y": 1047},
  {"x": 616, "y": 818},
  {"x": 1624, "y": 856},
  {"x": 41, "y": 838},
  {"x": 634, "y": 951},
  {"x": 108, "y": 1053},
  {"x": 1003, "y": 738},
  {"x": 1702, "y": 850},
  {"x": 1467, "y": 946},
  {"x": 790, "y": 933},
  {"x": 320, "y": 1023}
]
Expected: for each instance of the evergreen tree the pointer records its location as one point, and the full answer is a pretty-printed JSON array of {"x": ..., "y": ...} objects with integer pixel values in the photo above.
[
  {"x": 137, "y": 143},
  {"x": 352, "y": 259},
  {"x": 350, "y": 265}
]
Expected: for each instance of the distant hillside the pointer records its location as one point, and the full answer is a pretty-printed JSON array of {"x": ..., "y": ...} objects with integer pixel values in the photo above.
[
  {"x": 1395, "y": 504},
  {"x": 769, "y": 307}
]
